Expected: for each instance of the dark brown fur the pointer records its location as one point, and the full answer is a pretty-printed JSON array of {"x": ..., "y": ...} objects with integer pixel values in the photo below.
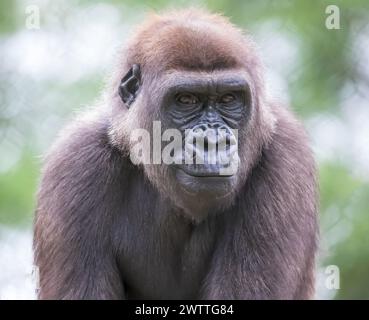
[{"x": 105, "y": 228}]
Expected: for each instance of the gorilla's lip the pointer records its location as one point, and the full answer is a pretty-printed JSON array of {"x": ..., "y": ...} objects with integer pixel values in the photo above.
[{"x": 212, "y": 171}]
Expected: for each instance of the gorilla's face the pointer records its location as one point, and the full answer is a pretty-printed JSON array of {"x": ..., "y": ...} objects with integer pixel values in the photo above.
[
  {"x": 202, "y": 115},
  {"x": 208, "y": 109}
]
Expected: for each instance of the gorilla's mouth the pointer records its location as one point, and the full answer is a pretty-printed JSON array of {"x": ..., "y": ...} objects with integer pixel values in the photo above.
[
  {"x": 205, "y": 180},
  {"x": 211, "y": 170}
]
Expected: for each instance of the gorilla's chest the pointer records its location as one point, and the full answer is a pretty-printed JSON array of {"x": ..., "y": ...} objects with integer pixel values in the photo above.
[{"x": 169, "y": 260}]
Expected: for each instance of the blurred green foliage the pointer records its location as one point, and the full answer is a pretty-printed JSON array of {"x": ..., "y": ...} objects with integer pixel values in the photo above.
[
  {"x": 327, "y": 72},
  {"x": 17, "y": 188}
]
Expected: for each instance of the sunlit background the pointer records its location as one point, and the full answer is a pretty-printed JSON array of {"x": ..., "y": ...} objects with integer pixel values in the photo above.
[{"x": 49, "y": 73}]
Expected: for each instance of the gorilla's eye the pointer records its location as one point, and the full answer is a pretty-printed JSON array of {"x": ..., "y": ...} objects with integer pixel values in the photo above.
[
  {"x": 187, "y": 99},
  {"x": 227, "y": 98}
]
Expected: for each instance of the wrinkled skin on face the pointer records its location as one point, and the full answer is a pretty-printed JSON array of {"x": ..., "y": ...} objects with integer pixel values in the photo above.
[{"x": 211, "y": 110}]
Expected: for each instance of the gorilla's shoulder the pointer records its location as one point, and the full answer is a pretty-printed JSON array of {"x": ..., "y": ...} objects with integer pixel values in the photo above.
[
  {"x": 288, "y": 155},
  {"x": 83, "y": 149},
  {"x": 290, "y": 136}
]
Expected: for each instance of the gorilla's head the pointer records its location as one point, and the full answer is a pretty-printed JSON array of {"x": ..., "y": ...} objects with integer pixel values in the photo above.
[{"x": 196, "y": 89}]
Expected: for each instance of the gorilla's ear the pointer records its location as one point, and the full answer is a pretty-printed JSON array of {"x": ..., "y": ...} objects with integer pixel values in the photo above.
[{"x": 130, "y": 84}]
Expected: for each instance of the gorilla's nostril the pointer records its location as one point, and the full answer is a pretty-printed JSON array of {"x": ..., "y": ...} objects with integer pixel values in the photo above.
[{"x": 202, "y": 127}]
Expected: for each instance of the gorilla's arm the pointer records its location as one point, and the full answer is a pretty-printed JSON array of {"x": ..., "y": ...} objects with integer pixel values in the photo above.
[
  {"x": 274, "y": 232},
  {"x": 79, "y": 194}
]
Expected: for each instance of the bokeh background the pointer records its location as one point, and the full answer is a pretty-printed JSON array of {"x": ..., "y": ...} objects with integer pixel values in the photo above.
[{"x": 48, "y": 74}]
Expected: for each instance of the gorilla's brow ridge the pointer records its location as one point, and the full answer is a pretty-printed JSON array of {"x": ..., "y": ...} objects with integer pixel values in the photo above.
[{"x": 199, "y": 83}]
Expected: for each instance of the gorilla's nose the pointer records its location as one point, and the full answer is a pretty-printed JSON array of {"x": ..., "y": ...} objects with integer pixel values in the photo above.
[{"x": 210, "y": 145}]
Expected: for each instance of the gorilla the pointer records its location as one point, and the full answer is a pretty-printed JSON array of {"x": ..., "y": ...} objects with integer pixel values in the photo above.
[{"x": 110, "y": 227}]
